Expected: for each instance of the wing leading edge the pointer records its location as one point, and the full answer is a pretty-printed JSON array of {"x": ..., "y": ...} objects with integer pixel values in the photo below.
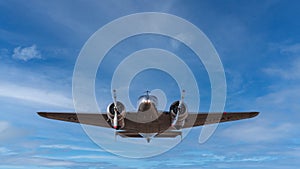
[
  {"x": 84, "y": 118},
  {"x": 193, "y": 120}
]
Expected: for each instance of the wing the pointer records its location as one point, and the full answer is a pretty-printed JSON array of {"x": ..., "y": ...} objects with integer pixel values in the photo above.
[
  {"x": 84, "y": 118},
  {"x": 95, "y": 119},
  {"x": 101, "y": 120},
  {"x": 200, "y": 119}
]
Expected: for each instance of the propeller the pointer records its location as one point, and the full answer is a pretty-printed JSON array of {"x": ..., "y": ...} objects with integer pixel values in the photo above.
[
  {"x": 181, "y": 99},
  {"x": 115, "y": 109},
  {"x": 179, "y": 107}
]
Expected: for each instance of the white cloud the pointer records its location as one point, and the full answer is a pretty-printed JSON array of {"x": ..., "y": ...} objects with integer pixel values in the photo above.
[
  {"x": 294, "y": 152},
  {"x": 291, "y": 49},
  {"x": 258, "y": 131},
  {"x": 8, "y": 132},
  {"x": 35, "y": 95},
  {"x": 6, "y": 151},
  {"x": 92, "y": 157},
  {"x": 70, "y": 147},
  {"x": 289, "y": 71},
  {"x": 235, "y": 158},
  {"x": 35, "y": 161},
  {"x": 3, "y": 126},
  {"x": 26, "y": 53},
  {"x": 286, "y": 99}
]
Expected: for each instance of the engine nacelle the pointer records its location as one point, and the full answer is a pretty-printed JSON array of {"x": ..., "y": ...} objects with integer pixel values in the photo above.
[
  {"x": 178, "y": 114},
  {"x": 116, "y": 122}
]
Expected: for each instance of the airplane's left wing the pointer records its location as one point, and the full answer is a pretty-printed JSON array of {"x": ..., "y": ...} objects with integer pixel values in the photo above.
[
  {"x": 84, "y": 118},
  {"x": 200, "y": 119}
]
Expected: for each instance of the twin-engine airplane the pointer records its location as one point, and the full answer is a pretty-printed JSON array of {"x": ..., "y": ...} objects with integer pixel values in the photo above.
[{"x": 148, "y": 122}]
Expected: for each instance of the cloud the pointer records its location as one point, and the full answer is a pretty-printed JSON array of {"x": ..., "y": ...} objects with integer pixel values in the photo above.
[
  {"x": 290, "y": 70},
  {"x": 294, "y": 152},
  {"x": 9, "y": 132},
  {"x": 284, "y": 91},
  {"x": 35, "y": 161},
  {"x": 92, "y": 157},
  {"x": 6, "y": 151},
  {"x": 293, "y": 49},
  {"x": 210, "y": 160},
  {"x": 286, "y": 100},
  {"x": 70, "y": 147},
  {"x": 12, "y": 90},
  {"x": 257, "y": 132},
  {"x": 3, "y": 126},
  {"x": 26, "y": 53}
]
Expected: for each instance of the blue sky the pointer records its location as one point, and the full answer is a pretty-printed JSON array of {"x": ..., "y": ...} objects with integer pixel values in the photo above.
[{"x": 258, "y": 44}]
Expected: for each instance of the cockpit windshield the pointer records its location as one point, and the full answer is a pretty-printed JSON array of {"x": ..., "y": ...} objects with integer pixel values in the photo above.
[{"x": 147, "y": 99}]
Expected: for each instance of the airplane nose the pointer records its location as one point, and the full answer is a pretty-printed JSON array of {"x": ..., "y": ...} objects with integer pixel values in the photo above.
[{"x": 145, "y": 106}]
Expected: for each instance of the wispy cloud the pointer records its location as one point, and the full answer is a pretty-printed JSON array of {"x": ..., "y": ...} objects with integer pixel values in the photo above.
[
  {"x": 26, "y": 53},
  {"x": 8, "y": 132},
  {"x": 35, "y": 95},
  {"x": 70, "y": 147},
  {"x": 92, "y": 157},
  {"x": 286, "y": 100},
  {"x": 293, "y": 49},
  {"x": 258, "y": 132},
  {"x": 284, "y": 92},
  {"x": 289, "y": 71},
  {"x": 35, "y": 161},
  {"x": 6, "y": 151},
  {"x": 212, "y": 160}
]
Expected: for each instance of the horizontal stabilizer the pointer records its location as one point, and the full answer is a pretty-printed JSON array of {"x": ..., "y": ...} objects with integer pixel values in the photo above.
[
  {"x": 125, "y": 134},
  {"x": 169, "y": 134},
  {"x": 166, "y": 134}
]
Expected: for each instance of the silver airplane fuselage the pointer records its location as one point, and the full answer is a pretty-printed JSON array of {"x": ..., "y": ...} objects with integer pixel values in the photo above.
[{"x": 150, "y": 121}]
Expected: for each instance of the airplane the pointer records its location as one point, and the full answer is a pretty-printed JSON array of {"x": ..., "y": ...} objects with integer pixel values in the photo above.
[{"x": 148, "y": 122}]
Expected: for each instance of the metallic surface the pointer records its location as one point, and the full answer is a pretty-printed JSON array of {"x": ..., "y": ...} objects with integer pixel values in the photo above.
[
  {"x": 147, "y": 122},
  {"x": 161, "y": 124}
]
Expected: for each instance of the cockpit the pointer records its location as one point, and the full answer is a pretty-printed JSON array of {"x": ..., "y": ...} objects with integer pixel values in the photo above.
[{"x": 147, "y": 100}]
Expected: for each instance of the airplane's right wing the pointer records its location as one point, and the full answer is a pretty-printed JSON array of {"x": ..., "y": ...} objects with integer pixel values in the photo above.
[
  {"x": 84, "y": 118},
  {"x": 194, "y": 120},
  {"x": 95, "y": 119}
]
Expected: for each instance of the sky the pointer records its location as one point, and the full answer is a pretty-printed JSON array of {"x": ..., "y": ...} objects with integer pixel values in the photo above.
[{"x": 258, "y": 43}]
